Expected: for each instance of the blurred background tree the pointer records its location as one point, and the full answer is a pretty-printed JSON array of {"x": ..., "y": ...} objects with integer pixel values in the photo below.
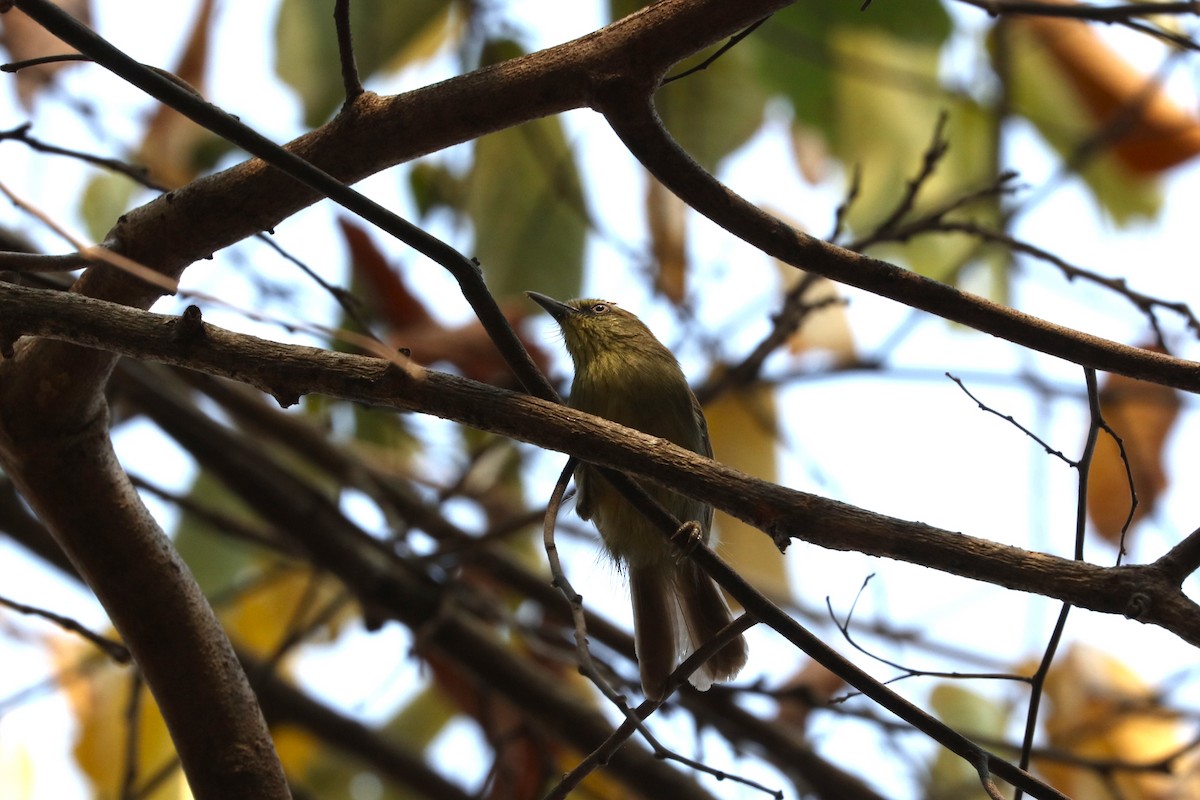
[{"x": 379, "y": 573}]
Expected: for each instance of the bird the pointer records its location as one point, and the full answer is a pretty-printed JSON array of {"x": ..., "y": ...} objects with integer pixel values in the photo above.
[{"x": 626, "y": 375}]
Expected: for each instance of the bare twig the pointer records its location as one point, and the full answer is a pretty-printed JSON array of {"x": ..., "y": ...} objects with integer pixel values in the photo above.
[
  {"x": 133, "y": 727},
  {"x": 350, "y": 80},
  {"x": 113, "y": 649},
  {"x": 722, "y": 50},
  {"x": 1050, "y": 451},
  {"x": 465, "y": 271},
  {"x": 293, "y": 370}
]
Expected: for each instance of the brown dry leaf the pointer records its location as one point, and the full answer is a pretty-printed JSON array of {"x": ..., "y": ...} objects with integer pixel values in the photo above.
[
  {"x": 811, "y": 151},
  {"x": 1143, "y": 415},
  {"x": 812, "y": 686},
  {"x": 24, "y": 39},
  {"x": 743, "y": 425},
  {"x": 666, "y": 216},
  {"x": 467, "y": 347},
  {"x": 387, "y": 294},
  {"x": 1100, "y": 709},
  {"x": 826, "y": 329},
  {"x": 172, "y": 145},
  {"x": 1163, "y": 134}
]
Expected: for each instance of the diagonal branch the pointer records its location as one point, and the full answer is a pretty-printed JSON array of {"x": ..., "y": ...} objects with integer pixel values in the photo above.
[
  {"x": 1144, "y": 592},
  {"x": 628, "y": 109}
]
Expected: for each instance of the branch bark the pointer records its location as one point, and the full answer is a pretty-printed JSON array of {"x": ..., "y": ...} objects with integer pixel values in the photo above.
[
  {"x": 1147, "y": 593},
  {"x": 53, "y": 438},
  {"x": 628, "y": 109}
]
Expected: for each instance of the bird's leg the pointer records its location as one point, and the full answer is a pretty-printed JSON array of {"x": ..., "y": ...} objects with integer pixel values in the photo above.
[{"x": 688, "y": 537}]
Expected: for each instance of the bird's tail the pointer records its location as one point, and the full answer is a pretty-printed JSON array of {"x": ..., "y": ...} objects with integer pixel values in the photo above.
[
  {"x": 705, "y": 613},
  {"x": 674, "y": 613}
]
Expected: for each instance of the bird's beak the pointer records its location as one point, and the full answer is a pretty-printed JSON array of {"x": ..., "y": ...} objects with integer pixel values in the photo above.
[{"x": 555, "y": 308}]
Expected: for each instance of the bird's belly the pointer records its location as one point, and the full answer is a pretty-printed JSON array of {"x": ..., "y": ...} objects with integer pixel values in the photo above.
[{"x": 628, "y": 536}]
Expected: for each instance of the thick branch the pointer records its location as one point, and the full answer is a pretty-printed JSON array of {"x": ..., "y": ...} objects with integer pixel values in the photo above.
[
  {"x": 289, "y": 371},
  {"x": 370, "y": 135},
  {"x": 52, "y": 418},
  {"x": 177, "y": 643},
  {"x": 627, "y": 108}
]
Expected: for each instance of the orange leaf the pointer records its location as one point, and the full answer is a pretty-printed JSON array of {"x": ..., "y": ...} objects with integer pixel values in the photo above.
[
  {"x": 812, "y": 686},
  {"x": 388, "y": 295},
  {"x": 172, "y": 145},
  {"x": 1142, "y": 414},
  {"x": 1160, "y": 136}
]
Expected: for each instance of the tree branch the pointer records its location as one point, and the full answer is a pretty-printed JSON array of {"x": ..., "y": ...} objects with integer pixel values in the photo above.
[
  {"x": 626, "y": 106},
  {"x": 289, "y": 371}
]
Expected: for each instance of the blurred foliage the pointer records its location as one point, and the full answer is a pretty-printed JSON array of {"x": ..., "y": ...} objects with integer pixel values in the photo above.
[
  {"x": 388, "y": 36},
  {"x": 1101, "y": 710}
]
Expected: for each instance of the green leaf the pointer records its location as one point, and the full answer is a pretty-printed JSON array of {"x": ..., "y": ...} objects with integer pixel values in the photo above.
[
  {"x": 976, "y": 716},
  {"x": 387, "y": 35},
  {"x": 422, "y": 719},
  {"x": 526, "y": 203},
  {"x": 105, "y": 198},
  {"x": 218, "y": 562},
  {"x": 883, "y": 126},
  {"x": 714, "y": 111},
  {"x": 798, "y": 58},
  {"x": 1040, "y": 92}
]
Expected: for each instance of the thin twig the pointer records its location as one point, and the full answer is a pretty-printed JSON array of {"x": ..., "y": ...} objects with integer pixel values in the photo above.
[
  {"x": 784, "y": 323},
  {"x": 1144, "y": 302},
  {"x": 722, "y": 50},
  {"x": 350, "y": 80},
  {"x": 29, "y": 263},
  {"x": 843, "y": 209},
  {"x": 1037, "y": 681},
  {"x": 1050, "y": 451},
  {"x": 934, "y": 153},
  {"x": 113, "y": 649},
  {"x": 843, "y": 625},
  {"x": 587, "y": 665},
  {"x": 602, "y": 754},
  {"x": 133, "y": 726},
  {"x": 350, "y": 305}
]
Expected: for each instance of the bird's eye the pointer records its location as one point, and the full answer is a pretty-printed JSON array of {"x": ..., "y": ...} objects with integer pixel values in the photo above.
[{"x": 600, "y": 308}]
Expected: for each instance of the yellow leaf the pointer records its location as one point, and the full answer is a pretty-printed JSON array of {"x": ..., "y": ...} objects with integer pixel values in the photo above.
[
  {"x": 666, "y": 216},
  {"x": 950, "y": 777},
  {"x": 267, "y": 614},
  {"x": 742, "y": 424},
  {"x": 100, "y": 700},
  {"x": 16, "y": 765},
  {"x": 1100, "y": 709},
  {"x": 297, "y": 748}
]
